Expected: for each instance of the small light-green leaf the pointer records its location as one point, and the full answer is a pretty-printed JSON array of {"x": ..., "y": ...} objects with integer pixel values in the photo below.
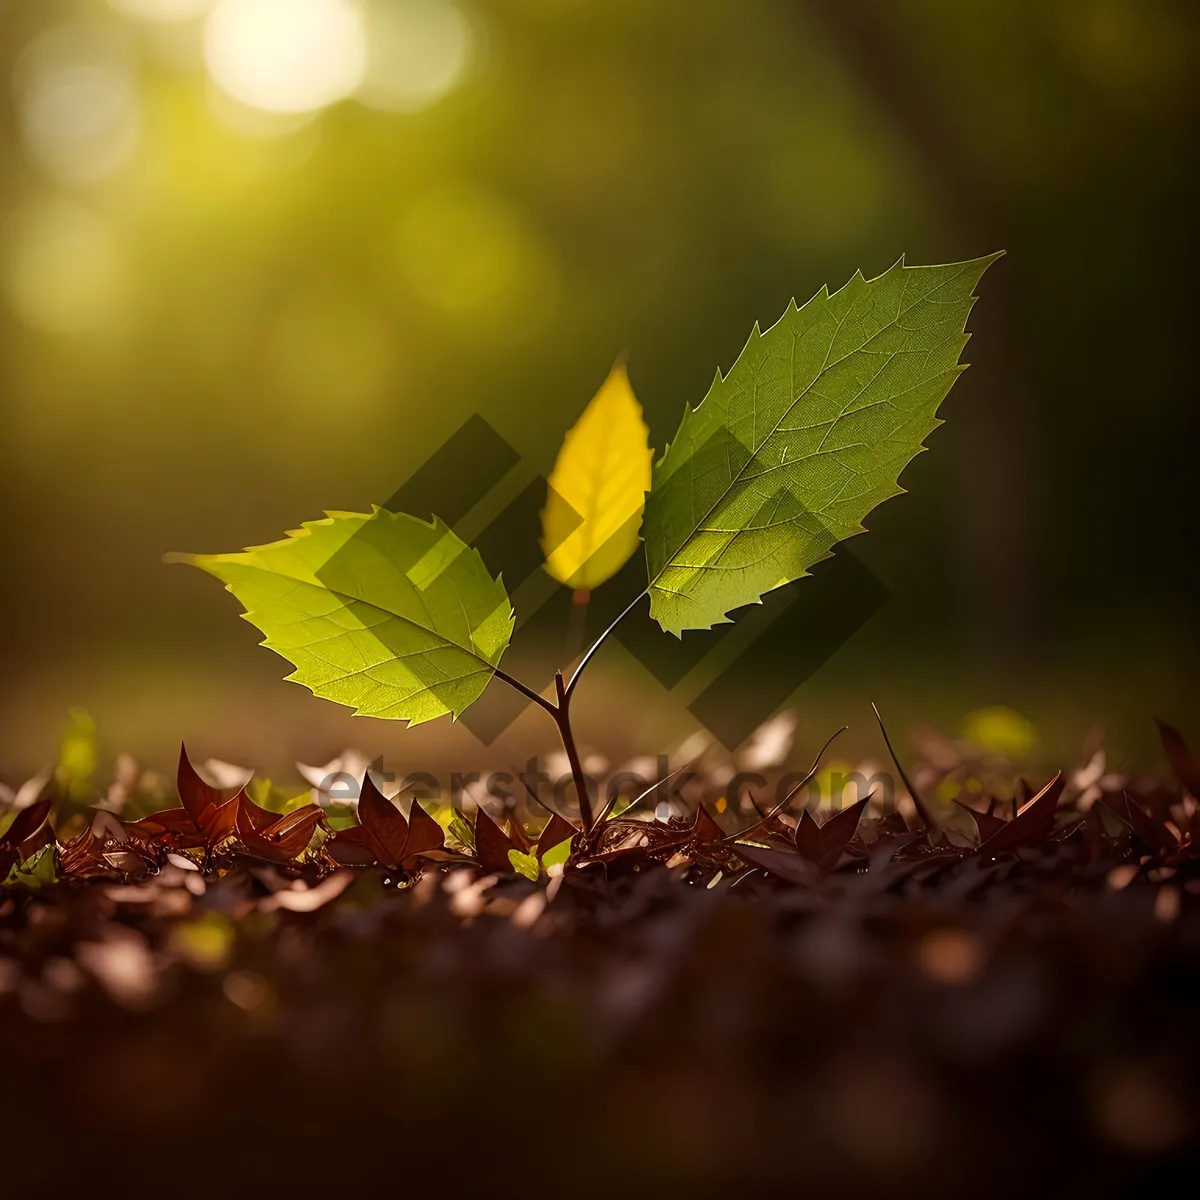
[
  {"x": 807, "y": 433},
  {"x": 557, "y": 854},
  {"x": 524, "y": 864},
  {"x": 461, "y": 832},
  {"x": 390, "y": 615},
  {"x": 36, "y": 873}
]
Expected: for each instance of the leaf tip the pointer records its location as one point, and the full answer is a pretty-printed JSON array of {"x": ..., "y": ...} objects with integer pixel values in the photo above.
[{"x": 986, "y": 261}]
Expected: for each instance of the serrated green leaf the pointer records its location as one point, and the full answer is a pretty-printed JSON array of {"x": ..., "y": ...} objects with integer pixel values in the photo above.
[
  {"x": 808, "y": 432},
  {"x": 389, "y": 615}
]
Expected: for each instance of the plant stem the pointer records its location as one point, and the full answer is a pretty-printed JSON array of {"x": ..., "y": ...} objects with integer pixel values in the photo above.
[
  {"x": 561, "y": 712},
  {"x": 527, "y": 692},
  {"x": 587, "y": 658},
  {"x": 562, "y": 718}
]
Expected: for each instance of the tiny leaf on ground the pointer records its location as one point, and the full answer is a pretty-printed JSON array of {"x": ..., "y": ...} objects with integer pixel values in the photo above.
[{"x": 524, "y": 864}]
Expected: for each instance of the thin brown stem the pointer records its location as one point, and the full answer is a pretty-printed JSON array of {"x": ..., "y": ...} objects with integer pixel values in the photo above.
[
  {"x": 561, "y": 712},
  {"x": 562, "y": 718},
  {"x": 587, "y": 658},
  {"x": 926, "y": 817},
  {"x": 612, "y": 800},
  {"x": 764, "y": 820},
  {"x": 527, "y": 692}
]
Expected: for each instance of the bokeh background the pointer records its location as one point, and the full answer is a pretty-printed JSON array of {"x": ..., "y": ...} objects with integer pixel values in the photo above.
[{"x": 260, "y": 258}]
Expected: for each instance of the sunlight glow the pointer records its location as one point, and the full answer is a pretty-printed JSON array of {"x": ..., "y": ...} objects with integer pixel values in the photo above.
[
  {"x": 468, "y": 253},
  {"x": 63, "y": 270},
  {"x": 419, "y": 50},
  {"x": 286, "y": 56},
  {"x": 162, "y": 11},
  {"x": 77, "y": 100},
  {"x": 330, "y": 348}
]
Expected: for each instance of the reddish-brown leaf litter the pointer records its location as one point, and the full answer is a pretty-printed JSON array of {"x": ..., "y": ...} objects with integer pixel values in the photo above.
[{"x": 984, "y": 996}]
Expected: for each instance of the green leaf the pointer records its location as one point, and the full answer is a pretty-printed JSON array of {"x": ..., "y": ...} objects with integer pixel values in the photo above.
[
  {"x": 389, "y": 615},
  {"x": 462, "y": 833},
  {"x": 524, "y": 864},
  {"x": 806, "y": 434},
  {"x": 557, "y": 854},
  {"x": 37, "y": 872}
]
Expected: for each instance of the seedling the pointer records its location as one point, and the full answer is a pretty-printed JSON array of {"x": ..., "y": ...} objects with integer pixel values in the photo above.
[{"x": 785, "y": 456}]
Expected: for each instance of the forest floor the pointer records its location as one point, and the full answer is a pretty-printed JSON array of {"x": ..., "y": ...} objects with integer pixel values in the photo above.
[{"x": 1005, "y": 1002}]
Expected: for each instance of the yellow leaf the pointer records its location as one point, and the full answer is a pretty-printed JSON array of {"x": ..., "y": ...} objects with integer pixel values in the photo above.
[{"x": 598, "y": 488}]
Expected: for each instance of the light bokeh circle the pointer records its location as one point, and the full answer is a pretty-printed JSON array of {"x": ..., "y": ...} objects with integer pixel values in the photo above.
[
  {"x": 419, "y": 51},
  {"x": 77, "y": 101},
  {"x": 63, "y": 270},
  {"x": 163, "y": 12},
  {"x": 286, "y": 56}
]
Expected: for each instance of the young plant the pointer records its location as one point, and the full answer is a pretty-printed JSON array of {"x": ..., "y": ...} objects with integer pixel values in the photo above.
[{"x": 785, "y": 456}]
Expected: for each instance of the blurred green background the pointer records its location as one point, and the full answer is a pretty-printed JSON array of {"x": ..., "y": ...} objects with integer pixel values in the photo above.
[{"x": 260, "y": 258}]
